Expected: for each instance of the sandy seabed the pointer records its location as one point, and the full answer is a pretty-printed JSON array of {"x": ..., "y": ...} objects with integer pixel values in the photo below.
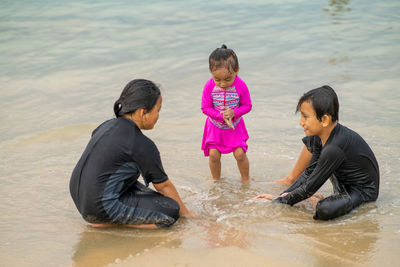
[{"x": 227, "y": 256}]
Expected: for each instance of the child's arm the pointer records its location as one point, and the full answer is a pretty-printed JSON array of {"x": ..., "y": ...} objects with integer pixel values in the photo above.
[
  {"x": 269, "y": 196},
  {"x": 207, "y": 104},
  {"x": 301, "y": 164},
  {"x": 330, "y": 160},
  {"x": 168, "y": 189},
  {"x": 245, "y": 101}
]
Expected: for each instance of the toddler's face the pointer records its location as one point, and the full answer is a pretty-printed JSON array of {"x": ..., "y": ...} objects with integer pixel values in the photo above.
[{"x": 223, "y": 77}]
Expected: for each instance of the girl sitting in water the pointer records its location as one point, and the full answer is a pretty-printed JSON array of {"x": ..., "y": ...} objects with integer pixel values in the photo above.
[
  {"x": 225, "y": 100},
  {"x": 104, "y": 184},
  {"x": 331, "y": 151}
]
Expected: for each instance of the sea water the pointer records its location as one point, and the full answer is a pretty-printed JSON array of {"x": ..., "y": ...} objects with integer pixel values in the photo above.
[{"x": 64, "y": 63}]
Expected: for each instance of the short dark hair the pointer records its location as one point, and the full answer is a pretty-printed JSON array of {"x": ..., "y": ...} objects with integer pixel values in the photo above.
[
  {"x": 324, "y": 101},
  {"x": 138, "y": 93},
  {"x": 223, "y": 57}
]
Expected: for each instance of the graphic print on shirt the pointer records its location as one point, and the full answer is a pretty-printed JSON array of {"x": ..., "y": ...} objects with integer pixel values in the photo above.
[{"x": 225, "y": 98}]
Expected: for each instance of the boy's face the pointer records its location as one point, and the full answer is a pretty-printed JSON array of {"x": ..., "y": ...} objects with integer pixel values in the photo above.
[
  {"x": 223, "y": 77},
  {"x": 311, "y": 125}
]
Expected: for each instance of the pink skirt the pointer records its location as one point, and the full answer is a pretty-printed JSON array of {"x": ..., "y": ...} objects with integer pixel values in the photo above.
[{"x": 224, "y": 140}]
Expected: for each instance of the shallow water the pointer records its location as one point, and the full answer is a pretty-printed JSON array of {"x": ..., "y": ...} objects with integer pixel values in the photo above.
[{"x": 63, "y": 65}]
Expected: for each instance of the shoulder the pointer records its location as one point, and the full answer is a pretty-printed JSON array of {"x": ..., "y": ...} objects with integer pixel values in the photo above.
[
  {"x": 145, "y": 145},
  {"x": 209, "y": 84},
  {"x": 121, "y": 130},
  {"x": 239, "y": 82},
  {"x": 105, "y": 126},
  {"x": 241, "y": 86},
  {"x": 345, "y": 137},
  {"x": 107, "y": 122},
  {"x": 127, "y": 126},
  {"x": 351, "y": 142},
  {"x": 347, "y": 132}
]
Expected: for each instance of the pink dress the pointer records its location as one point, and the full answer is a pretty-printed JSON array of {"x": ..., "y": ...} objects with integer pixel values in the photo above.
[{"x": 217, "y": 133}]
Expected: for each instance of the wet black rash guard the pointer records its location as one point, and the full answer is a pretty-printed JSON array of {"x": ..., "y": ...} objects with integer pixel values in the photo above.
[
  {"x": 104, "y": 182},
  {"x": 350, "y": 163}
]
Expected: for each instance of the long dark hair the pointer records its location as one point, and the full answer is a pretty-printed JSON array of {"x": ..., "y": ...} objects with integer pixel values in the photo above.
[
  {"x": 139, "y": 93},
  {"x": 223, "y": 57}
]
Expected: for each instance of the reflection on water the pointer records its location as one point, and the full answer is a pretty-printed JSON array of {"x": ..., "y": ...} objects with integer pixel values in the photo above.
[
  {"x": 354, "y": 245},
  {"x": 219, "y": 235},
  {"x": 349, "y": 241},
  {"x": 338, "y": 32},
  {"x": 335, "y": 61},
  {"x": 336, "y": 7},
  {"x": 100, "y": 247},
  {"x": 224, "y": 206}
]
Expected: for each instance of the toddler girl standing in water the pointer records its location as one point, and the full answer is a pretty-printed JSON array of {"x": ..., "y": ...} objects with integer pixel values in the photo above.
[{"x": 225, "y": 100}]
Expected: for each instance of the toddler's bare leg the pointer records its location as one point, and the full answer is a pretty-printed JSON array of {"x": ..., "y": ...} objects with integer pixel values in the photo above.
[
  {"x": 243, "y": 164},
  {"x": 214, "y": 161}
]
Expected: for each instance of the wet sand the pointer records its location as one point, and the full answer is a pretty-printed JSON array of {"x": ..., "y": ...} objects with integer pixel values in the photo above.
[{"x": 222, "y": 257}]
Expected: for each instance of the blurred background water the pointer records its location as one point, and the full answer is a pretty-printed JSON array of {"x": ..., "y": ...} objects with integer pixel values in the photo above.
[{"x": 64, "y": 63}]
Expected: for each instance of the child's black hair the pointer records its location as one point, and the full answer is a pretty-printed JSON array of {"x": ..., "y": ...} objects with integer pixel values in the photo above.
[
  {"x": 137, "y": 94},
  {"x": 223, "y": 57},
  {"x": 324, "y": 101}
]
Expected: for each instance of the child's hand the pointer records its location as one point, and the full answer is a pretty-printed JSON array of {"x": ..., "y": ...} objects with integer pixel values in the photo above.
[
  {"x": 270, "y": 197},
  {"x": 266, "y": 196},
  {"x": 189, "y": 214},
  {"x": 228, "y": 113},
  {"x": 229, "y": 123}
]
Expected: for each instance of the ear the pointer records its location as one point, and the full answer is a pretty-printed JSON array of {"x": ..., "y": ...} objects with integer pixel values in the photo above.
[
  {"x": 326, "y": 120},
  {"x": 141, "y": 112}
]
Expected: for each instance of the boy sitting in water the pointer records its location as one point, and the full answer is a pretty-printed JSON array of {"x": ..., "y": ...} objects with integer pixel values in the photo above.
[{"x": 331, "y": 151}]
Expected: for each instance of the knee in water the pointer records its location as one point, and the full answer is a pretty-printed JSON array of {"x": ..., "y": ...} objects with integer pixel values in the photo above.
[
  {"x": 327, "y": 210},
  {"x": 322, "y": 212}
]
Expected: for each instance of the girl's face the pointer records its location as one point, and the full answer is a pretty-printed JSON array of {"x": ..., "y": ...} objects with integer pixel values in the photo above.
[
  {"x": 150, "y": 118},
  {"x": 223, "y": 77},
  {"x": 309, "y": 121}
]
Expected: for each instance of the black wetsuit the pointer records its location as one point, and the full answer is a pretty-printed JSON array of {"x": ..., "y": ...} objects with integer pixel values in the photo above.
[
  {"x": 350, "y": 164},
  {"x": 104, "y": 182}
]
